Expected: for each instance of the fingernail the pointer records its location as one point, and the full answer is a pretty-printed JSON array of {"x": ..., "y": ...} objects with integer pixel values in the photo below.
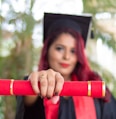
[
  {"x": 56, "y": 94},
  {"x": 41, "y": 96}
]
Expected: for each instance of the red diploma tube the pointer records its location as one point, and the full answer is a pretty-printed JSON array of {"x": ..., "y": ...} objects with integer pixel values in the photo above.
[{"x": 70, "y": 88}]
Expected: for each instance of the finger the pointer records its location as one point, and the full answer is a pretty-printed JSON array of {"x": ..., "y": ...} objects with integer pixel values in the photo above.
[
  {"x": 43, "y": 84},
  {"x": 55, "y": 99},
  {"x": 34, "y": 82},
  {"x": 51, "y": 84},
  {"x": 59, "y": 83}
]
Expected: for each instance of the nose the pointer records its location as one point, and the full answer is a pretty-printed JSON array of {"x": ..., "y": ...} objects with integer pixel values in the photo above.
[{"x": 66, "y": 55}]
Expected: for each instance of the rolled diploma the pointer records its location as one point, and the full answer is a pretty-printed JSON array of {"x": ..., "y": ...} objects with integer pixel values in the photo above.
[{"x": 70, "y": 88}]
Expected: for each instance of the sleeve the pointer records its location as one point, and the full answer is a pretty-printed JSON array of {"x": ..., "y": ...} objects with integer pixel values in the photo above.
[
  {"x": 35, "y": 111},
  {"x": 20, "y": 108},
  {"x": 109, "y": 109}
]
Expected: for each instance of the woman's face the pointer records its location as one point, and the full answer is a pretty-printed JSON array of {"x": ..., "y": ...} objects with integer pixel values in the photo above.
[{"x": 62, "y": 55}]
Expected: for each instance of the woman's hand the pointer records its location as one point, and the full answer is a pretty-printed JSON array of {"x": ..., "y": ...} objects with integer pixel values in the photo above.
[{"x": 51, "y": 82}]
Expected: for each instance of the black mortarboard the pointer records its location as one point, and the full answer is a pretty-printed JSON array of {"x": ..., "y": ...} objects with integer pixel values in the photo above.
[{"x": 80, "y": 23}]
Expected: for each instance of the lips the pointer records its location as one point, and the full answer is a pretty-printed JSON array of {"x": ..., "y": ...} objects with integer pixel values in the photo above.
[{"x": 64, "y": 65}]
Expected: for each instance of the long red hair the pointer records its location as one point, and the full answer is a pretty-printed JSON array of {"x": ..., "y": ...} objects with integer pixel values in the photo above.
[{"x": 82, "y": 69}]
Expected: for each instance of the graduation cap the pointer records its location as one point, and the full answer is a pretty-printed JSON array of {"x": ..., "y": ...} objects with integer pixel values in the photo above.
[{"x": 79, "y": 23}]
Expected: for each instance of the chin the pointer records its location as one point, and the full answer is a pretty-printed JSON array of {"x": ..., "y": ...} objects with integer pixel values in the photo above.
[{"x": 63, "y": 71}]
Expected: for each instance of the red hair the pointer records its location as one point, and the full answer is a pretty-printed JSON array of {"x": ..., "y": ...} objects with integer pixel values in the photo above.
[{"x": 82, "y": 69}]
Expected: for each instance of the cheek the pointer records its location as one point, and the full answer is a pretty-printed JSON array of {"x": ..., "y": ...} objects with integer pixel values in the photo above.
[
  {"x": 53, "y": 57},
  {"x": 53, "y": 62}
]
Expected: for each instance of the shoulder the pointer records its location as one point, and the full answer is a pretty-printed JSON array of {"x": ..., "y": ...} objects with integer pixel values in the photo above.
[{"x": 108, "y": 109}]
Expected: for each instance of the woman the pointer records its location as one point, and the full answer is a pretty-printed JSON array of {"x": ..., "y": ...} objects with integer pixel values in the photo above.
[{"x": 63, "y": 59}]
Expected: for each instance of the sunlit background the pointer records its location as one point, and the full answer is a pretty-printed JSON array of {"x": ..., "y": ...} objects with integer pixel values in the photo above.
[{"x": 21, "y": 34}]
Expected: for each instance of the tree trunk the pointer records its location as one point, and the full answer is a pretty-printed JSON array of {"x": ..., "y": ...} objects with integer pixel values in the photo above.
[{"x": 9, "y": 111}]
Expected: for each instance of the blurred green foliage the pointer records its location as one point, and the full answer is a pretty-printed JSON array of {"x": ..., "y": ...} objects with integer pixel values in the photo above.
[{"x": 22, "y": 55}]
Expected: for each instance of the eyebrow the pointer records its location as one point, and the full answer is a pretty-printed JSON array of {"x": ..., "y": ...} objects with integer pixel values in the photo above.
[{"x": 64, "y": 46}]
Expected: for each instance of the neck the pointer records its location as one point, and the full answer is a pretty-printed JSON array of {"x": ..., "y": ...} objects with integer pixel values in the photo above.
[{"x": 67, "y": 78}]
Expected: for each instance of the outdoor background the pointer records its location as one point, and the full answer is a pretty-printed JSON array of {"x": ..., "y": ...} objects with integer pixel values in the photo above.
[{"x": 21, "y": 39}]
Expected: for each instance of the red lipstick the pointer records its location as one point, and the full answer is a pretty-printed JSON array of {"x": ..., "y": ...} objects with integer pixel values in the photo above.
[{"x": 64, "y": 65}]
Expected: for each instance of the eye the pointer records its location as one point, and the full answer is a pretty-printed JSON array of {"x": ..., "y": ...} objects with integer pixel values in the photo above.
[
  {"x": 59, "y": 48},
  {"x": 73, "y": 51}
]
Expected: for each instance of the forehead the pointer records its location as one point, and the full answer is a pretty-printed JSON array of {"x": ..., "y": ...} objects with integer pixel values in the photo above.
[{"x": 65, "y": 39}]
